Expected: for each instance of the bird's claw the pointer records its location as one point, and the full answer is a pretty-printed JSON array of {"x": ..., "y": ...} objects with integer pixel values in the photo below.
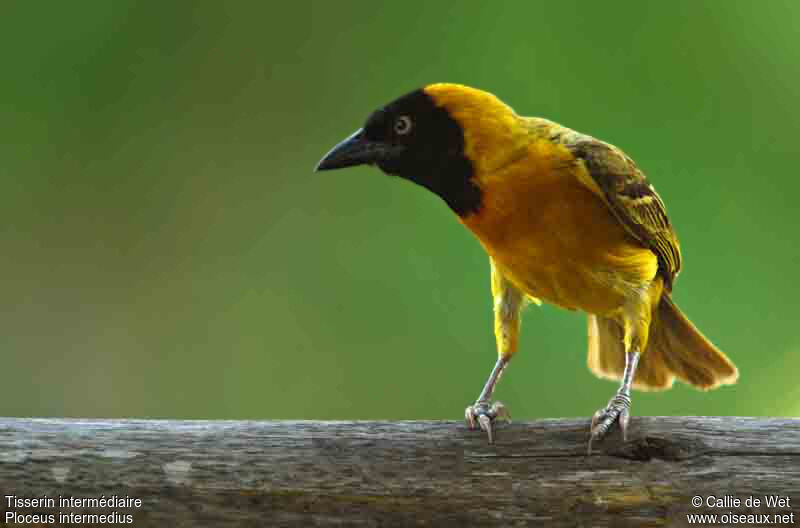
[
  {"x": 482, "y": 415},
  {"x": 618, "y": 410}
]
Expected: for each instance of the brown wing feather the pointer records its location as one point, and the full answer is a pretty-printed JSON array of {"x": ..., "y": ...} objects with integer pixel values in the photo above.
[{"x": 632, "y": 199}]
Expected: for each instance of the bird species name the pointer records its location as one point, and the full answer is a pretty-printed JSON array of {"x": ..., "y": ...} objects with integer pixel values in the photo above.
[{"x": 111, "y": 501}]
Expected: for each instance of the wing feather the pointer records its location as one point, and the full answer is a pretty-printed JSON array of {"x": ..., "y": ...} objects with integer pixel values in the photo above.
[{"x": 631, "y": 198}]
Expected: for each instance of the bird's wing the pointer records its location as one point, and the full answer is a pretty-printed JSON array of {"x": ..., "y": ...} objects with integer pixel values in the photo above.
[{"x": 631, "y": 197}]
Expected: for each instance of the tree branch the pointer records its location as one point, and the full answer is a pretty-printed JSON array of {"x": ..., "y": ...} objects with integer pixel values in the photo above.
[{"x": 217, "y": 473}]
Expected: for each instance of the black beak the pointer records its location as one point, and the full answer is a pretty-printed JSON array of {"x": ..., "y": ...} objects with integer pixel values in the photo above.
[{"x": 356, "y": 150}]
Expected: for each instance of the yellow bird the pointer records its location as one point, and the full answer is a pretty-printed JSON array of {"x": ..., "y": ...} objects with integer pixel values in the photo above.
[{"x": 564, "y": 218}]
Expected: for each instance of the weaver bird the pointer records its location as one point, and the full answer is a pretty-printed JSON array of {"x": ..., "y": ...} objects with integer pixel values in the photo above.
[{"x": 564, "y": 218}]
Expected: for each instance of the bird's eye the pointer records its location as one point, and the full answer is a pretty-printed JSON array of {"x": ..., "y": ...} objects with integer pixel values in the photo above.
[{"x": 402, "y": 125}]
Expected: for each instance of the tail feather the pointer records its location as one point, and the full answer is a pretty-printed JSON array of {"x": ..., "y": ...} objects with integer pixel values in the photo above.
[{"x": 676, "y": 349}]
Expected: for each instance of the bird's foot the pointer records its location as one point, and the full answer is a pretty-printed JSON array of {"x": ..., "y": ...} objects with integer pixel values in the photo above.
[
  {"x": 618, "y": 410},
  {"x": 483, "y": 415}
]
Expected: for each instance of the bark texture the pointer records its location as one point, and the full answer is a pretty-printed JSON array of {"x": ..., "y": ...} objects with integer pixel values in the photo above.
[{"x": 432, "y": 473}]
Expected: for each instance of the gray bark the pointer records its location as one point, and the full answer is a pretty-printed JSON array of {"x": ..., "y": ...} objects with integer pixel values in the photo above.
[{"x": 283, "y": 473}]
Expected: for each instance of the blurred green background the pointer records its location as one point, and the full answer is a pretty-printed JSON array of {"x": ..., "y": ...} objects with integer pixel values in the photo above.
[{"x": 167, "y": 250}]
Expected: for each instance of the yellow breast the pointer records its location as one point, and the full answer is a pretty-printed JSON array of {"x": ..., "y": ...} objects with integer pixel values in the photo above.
[{"x": 555, "y": 238}]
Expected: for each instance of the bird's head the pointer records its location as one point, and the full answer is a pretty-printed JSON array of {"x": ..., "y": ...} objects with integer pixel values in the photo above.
[{"x": 439, "y": 137}]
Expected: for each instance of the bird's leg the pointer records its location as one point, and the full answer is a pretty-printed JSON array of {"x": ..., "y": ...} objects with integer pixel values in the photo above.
[
  {"x": 508, "y": 302},
  {"x": 619, "y": 407},
  {"x": 481, "y": 413}
]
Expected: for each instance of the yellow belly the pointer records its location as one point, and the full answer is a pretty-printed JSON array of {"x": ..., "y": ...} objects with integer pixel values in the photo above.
[{"x": 557, "y": 240}]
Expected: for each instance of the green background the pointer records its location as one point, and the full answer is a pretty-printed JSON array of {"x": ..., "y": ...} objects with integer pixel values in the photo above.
[{"x": 167, "y": 250}]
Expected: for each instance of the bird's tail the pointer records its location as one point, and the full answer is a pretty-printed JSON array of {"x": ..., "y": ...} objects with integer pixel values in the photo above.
[{"x": 676, "y": 349}]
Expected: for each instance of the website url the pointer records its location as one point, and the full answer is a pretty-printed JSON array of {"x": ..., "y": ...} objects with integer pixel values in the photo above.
[{"x": 740, "y": 518}]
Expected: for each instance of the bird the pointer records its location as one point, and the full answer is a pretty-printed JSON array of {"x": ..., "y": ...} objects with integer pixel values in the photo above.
[{"x": 564, "y": 218}]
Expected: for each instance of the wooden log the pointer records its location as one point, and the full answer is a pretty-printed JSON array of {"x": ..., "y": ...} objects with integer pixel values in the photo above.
[{"x": 421, "y": 473}]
